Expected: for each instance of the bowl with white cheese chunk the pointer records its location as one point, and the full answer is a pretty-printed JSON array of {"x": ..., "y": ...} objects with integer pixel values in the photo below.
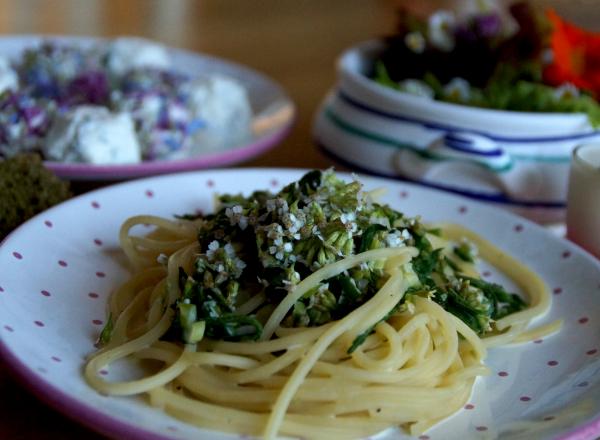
[{"x": 127, "y": 107}]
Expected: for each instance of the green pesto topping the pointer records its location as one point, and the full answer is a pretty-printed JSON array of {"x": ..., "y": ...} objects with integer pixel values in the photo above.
[{"x": 265, "y": 244}]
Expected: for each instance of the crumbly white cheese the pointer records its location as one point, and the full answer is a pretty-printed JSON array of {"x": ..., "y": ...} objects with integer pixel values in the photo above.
[
  {"x": 8, "y": 77},
  {"x": 92, "y": 134},
  {"x": 144, "y": 108},
  {"x": 128, "y": 53},
  {"x": 222, "y": 104}
]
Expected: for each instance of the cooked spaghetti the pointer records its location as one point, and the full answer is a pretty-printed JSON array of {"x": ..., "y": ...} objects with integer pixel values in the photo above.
[{"x": 314, "y": 312}]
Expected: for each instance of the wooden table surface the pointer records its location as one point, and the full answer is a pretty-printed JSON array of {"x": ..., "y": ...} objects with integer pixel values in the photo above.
[{"x": 295, "y": 42}]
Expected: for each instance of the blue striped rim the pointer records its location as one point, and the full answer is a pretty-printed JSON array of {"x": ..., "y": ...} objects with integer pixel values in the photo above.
[
  {"x": 465, "y": 147},
  {"x": 452, "y": 136},
  {"x": 424, "y": 153},
  {"x": 484, "y": 197},
  {"x": 443, "y": 127}
]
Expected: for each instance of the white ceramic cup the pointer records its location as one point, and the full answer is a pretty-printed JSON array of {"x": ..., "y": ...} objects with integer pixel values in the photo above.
[{"x": 583, "y": 198}]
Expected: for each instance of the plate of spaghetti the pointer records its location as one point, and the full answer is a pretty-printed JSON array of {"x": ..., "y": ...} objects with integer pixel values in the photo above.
[{"x": 301, "y": 304}]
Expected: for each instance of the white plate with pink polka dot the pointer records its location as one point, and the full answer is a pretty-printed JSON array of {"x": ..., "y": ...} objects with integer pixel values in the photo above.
[{"x": 58, "y": 269}]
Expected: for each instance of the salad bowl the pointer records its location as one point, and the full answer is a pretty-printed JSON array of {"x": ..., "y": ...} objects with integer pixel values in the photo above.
[{"x": 512, "y": 159}]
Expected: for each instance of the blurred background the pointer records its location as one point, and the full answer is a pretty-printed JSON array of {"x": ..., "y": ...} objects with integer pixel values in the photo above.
[{"x": 295, "y": 42}]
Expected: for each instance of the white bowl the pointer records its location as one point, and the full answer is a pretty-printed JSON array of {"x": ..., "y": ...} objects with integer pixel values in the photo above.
[{"x": 518, "y": 160}]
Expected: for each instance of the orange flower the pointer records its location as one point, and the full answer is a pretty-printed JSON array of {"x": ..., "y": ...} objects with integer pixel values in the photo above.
[{"x": 576, "y": 56}]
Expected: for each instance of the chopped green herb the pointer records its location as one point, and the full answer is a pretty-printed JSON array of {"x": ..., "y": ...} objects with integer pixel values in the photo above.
[
  {"x": 465, "y": 252},
  {"x": 106, "y": 332},
  {"x": 265, "y": 244},
  {"x": 195, "y": 332}
]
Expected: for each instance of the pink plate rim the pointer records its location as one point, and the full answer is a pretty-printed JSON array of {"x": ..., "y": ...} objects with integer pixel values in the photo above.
[
  {"x": 82, "y": 171},
  {"x": 68, "y": 406}
]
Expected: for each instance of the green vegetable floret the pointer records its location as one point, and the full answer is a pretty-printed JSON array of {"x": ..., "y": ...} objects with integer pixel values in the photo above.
[{"x": 26, "y": 189}]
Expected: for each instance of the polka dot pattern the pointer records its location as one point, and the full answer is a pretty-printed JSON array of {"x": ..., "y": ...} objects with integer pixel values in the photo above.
[{"x": 95, "y": 294}]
